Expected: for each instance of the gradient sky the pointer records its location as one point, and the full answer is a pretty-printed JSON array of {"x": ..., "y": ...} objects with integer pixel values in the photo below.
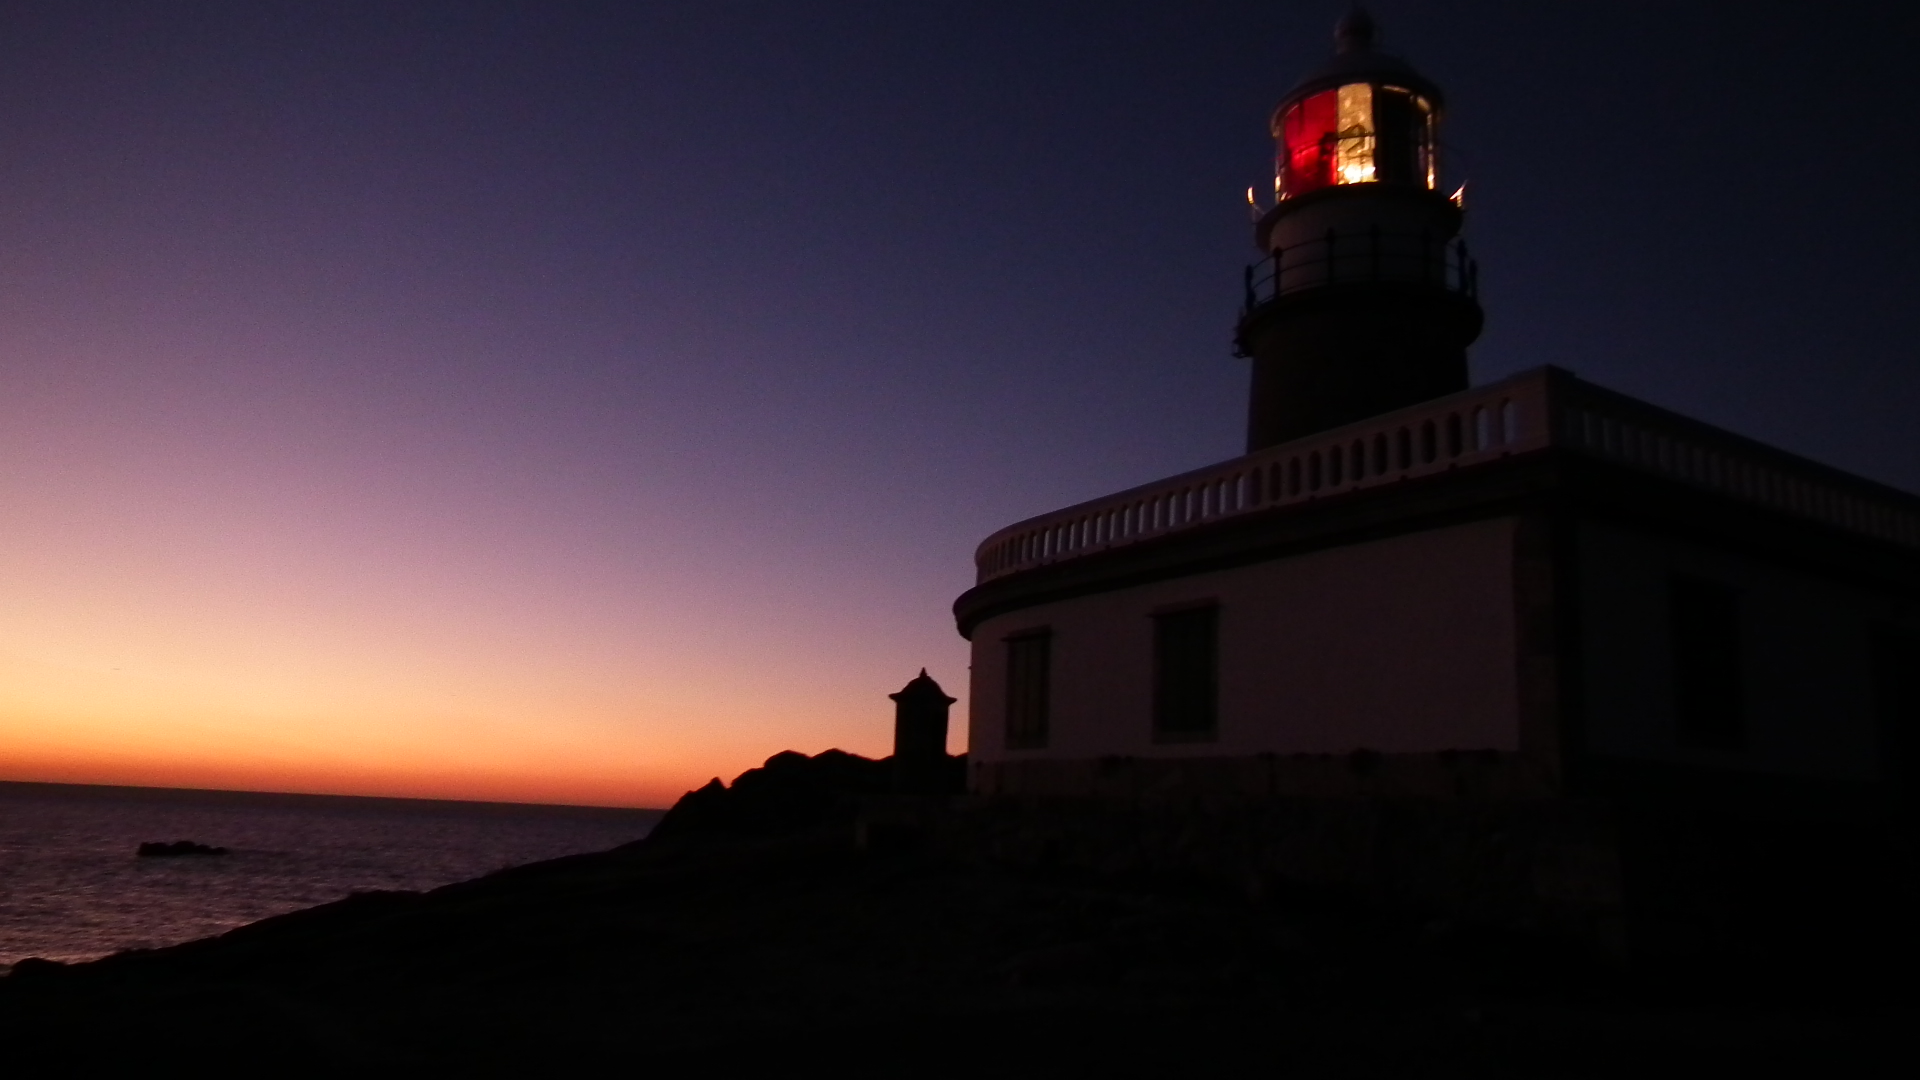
[{"x": 573, "y": 401}]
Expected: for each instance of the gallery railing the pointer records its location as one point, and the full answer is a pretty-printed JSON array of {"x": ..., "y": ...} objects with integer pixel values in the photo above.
[
  {"x": 1603, "y": 424},
  {"x": 1529, "y": 412},
  {"x": 1360, "y": 257}
]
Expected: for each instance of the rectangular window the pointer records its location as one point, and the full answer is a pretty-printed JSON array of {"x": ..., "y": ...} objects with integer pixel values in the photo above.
[
  {"x": 1708, "y": 705},
  {"x": 1185, "y": 675},
  {"x": 1029, "y": 678}
]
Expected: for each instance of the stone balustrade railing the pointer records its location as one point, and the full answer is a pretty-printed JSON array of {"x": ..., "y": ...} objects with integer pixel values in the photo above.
[
  {"x": 1528, "y": 412},
  {"x": 1448, "y": 433},
  {"x": 1604, "y": 424}
]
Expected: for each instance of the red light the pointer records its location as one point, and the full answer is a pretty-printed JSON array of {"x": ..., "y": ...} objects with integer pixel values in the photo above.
[{"x": 1307, "y": 138}]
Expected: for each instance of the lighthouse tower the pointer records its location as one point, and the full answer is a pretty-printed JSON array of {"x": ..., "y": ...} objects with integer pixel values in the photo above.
[{"x": 1365, "y": 301}]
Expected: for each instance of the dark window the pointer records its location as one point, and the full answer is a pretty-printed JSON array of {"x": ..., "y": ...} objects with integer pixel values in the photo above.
[
  {"x": 1707, "y": 705},
  {"x": 1185, "y": 675},
  {"x": 1029, "y": 673}
]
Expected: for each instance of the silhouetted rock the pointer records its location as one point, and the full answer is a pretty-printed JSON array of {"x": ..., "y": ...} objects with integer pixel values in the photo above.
[
  {"x": 155, "y": 850},
  {"x": 790, "y": 793},
  {"x": 34, "y": 967}
]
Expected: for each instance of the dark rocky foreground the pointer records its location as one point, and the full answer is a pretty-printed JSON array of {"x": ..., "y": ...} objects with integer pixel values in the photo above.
[{"x": 804, "y": 918}]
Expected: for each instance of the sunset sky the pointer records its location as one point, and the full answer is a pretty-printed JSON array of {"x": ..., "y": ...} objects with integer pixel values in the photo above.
[{"x": 570, "y": 402}]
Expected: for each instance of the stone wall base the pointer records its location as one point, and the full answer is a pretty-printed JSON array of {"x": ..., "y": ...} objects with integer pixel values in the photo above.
[
  {"x": 1362, "y": 774},
  {"x": 1622, "y": 883},
  {"x": 1549, "y": 868}
]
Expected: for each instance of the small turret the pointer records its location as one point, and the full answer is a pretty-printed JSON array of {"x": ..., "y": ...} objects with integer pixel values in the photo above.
[{"x": 920, "y": 737}]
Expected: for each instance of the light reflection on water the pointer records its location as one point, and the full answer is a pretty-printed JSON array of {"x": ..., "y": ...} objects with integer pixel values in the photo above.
[{"x": 72, "y": 889}]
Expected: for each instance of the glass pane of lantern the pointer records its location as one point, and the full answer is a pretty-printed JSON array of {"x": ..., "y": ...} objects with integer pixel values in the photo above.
[
  {"x": 1429, "y": 157},
  {"x": 1306, "y": 134},
  {"x": 1396, "y": 158},
  {"x": 1353, "y": 148}
]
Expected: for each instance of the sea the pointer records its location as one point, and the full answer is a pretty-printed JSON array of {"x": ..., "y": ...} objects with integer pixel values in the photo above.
[{"x": 72, "y": 887}]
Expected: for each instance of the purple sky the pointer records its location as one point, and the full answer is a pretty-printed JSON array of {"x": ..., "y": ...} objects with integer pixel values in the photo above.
[{"x": 576, "y": 400}]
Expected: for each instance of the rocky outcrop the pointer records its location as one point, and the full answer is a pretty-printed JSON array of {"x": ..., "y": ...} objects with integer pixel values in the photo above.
[
  {"x": 179, "y": 848},
  {"x": 757, "y": 931},
  {"x": 793, "y": 793}
]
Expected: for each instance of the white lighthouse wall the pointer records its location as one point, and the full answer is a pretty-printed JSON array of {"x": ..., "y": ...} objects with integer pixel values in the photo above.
[
  {"x": 1397, "y": 645},
  {"x": 1807, "y": 680}
]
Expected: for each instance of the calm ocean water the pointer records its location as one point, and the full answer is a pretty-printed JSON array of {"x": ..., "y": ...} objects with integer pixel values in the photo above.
[{"x": 71, "y": 887}]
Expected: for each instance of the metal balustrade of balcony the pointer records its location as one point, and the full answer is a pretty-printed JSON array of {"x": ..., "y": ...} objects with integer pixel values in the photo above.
[{"x": 1369, "y": 257}]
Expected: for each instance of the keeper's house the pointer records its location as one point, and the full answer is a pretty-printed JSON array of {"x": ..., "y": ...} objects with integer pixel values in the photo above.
[{"x": 1409, "y": 586}]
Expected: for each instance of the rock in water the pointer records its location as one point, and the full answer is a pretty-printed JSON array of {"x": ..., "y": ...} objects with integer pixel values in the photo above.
[{"x": 154, "y": 850}]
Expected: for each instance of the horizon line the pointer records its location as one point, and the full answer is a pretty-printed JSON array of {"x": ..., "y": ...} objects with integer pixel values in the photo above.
[{"x": 239, "y": 794}]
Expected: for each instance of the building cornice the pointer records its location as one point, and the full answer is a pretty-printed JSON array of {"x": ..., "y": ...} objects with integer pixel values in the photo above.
[{"x": 1564, "y": 444}]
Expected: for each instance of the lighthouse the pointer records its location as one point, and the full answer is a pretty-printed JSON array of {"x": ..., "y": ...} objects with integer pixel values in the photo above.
[
  {"x": 1551, "y": 629},
  {"x": 1365, "y": 299}
]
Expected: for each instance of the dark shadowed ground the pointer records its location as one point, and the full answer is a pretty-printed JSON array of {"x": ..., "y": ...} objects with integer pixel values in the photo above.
[{"x": 767, "y": 931}]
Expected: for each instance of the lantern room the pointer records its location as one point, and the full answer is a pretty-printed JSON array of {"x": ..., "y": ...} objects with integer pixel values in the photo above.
[
  {"x": 1363, "y": 118},
  {"x": 1358, "y": 133}
]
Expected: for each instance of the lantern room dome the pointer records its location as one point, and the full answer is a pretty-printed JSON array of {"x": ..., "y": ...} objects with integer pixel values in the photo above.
[{"x": 1355, "y": 59}]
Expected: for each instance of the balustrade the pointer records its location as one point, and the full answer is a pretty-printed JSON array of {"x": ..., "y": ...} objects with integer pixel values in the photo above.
[
  {"x": 1368, "y": 256},
  {"x": 1523, "y": 414}
]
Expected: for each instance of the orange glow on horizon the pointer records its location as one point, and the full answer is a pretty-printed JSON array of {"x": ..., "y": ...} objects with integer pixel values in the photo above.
[
  {"x": 336, "y": 759},
  {"x": 417, "y": 678},
  {"x": 67, "y": 728}
]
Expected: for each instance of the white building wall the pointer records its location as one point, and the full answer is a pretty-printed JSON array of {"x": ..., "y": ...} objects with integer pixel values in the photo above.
[
  {"x": 1805, "y": 658},
  {"x": 1399, "y": 645}
]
